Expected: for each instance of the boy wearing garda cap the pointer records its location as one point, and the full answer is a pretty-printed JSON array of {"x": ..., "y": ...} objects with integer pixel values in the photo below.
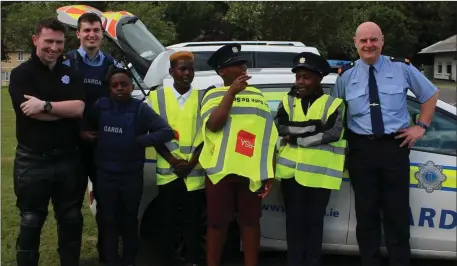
[
  {"x": 180, "y": 178},
  {"x": 311, "y": 159},
  {"x": 239, "y": 133}
]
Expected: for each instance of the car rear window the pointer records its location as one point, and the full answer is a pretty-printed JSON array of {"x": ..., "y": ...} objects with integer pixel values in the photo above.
[
  {"x": 274, "y": 60},
  {"x": 201, "y": 59}
]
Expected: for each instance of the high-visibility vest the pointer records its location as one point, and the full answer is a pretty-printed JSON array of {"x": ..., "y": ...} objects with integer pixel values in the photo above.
[
  {"x": 186, "y": 123},
  {"x": 319, "y": 166},
  {"x": 245, "y": 146}
]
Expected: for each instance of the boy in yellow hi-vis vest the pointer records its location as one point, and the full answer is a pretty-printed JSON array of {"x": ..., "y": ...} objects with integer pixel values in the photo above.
[
  {"x": 311, "y": 160},
  {"x": 180, "y": 178},
  {"x": 239, "y": 143}
]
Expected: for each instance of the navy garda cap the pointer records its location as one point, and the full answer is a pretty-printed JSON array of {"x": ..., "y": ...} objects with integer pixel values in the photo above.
[
  {"x": 227, "y": 55},
  {"x": 313, "y": 62}
]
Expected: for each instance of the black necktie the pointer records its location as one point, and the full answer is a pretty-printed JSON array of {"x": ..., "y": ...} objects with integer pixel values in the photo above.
[{"x": 377, "y": 125}]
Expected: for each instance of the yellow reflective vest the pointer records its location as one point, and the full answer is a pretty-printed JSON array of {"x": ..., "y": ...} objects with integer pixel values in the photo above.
[
  {"x": 319, "y": 166},
  {"x": 245, "y": 145},
  {"x": 186, "y": 123}
]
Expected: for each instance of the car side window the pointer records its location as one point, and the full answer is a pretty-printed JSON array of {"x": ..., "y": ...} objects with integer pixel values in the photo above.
[
  {"x": 441, "y": 137},
  {"x": 274, "y": 60}
]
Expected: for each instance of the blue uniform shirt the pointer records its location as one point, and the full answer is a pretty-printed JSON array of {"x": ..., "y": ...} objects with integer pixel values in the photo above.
[
  {"x": 96, "y": 62},
  {"x": 393, "y": 80}
]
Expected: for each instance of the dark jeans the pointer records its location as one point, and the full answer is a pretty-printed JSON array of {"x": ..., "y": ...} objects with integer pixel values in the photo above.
[
  {"x": 305, "y": 212},
  {"x": 120, "y": 196},
  {"x": 179, "y": 207},
  {"x": 38, "y": 178},
  {"x": 379, "y": 171}
]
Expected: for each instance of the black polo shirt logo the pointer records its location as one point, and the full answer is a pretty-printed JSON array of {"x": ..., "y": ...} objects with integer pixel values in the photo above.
[{"x": 66, "y": 79}]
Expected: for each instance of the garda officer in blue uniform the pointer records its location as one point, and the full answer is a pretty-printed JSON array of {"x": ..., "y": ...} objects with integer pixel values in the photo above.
[
  {"x": 122, "y": 124},
  {"x": 93, "y": 65},
  {"x": 379, "y": 138}
]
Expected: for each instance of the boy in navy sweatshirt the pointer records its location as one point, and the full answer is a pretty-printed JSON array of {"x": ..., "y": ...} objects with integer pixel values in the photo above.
[{"x": 125, "y": 126}]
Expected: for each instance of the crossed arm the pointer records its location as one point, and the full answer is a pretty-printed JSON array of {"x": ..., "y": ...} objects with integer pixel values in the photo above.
[
  {"x": 312, "y": 132},
  {"x": 26, "y": 100}
]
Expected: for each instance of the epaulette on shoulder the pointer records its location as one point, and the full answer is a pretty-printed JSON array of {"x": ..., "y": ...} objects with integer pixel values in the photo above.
[
  {"x": 400, "y": 59},
  {"x": 345, "y": 67}
]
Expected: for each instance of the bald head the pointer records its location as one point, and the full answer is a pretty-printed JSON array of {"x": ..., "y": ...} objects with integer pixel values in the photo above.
[
  {"x": 368, "y": 28},
  {"x": 369, "y": 42}
]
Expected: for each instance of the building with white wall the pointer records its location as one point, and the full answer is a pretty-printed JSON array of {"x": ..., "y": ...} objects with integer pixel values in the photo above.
[{"x": 445, "y": 58}]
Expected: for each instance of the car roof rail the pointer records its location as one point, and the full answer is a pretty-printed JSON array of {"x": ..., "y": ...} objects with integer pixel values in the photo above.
[{"x": 279, "y": 43}]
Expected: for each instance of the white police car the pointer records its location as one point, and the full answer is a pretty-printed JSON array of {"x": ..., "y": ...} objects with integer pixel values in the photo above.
[{"x": 433, "y": 185}]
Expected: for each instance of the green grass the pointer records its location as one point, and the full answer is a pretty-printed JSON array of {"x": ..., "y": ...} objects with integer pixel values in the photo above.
[{"x": 10, "y": 214}]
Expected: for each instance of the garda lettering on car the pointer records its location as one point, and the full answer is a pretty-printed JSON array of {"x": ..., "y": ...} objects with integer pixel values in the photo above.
[
  {"x": 117, "y": 130},
  {"x": 245, "y": 142},
  {"x": 433, "y": 218},
  {"x": 426, "y": 217}
]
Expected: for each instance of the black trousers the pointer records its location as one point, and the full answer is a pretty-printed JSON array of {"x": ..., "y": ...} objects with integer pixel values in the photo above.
[
  {"x": 181, "y": 209},
  {"x": 90, "y": 171},
  {"x": 38, "y": 178},
  {"x": 120, "y": 196},
  {"x": 305, "y": 212},
  {"x": 379, "y": 170}
]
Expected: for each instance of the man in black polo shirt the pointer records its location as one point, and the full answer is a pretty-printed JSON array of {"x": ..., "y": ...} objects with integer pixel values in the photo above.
[{"x": 48, "y": 99}]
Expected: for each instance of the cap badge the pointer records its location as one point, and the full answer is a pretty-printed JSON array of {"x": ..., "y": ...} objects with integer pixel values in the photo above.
[
  {"x": 302, "y": 60},
  {"x": 235, "y": 49}
]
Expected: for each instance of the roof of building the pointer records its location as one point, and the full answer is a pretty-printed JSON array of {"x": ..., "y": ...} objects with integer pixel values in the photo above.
[{"x": 448, "y": 45}]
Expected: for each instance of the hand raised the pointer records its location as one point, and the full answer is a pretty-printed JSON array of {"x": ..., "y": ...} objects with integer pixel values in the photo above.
[{"x": 239, "y": 84}]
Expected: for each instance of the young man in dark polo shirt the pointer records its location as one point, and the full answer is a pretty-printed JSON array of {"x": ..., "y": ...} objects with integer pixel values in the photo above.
[{"x": 48, "y": 100}]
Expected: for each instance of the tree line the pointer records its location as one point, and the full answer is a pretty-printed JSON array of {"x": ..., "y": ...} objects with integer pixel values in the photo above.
[{"x": 408, "y": 27}]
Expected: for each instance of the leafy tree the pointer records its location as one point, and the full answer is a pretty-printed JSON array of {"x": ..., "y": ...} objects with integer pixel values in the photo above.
[
  {"x": 152, "y": 15},
  {"x": 19, "y": 22},
  {"x": 196, "y": 20},
  {"x": 329, "y": 26}
]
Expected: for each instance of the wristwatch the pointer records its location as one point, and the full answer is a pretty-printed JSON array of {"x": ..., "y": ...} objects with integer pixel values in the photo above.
[
  {"x": 47, "y": 106},
  {"x": 422, "y": 125}
]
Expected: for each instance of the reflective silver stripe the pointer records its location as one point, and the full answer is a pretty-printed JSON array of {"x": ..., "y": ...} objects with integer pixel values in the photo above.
[
  {"x": 198, "y": 124},
  {"x": 171, "y": 146},
  {"x": 330, "y": 148},
  {"x": 301, "y": 130},
  {"x": 264, "y": 150},
  {"x": 290, "y": 100},
  {"x": 161, "y": 102},
  {"x": 311, "y": 140},
  {"x": 265, "y": 143},
  {"x": 319, "y": 170},
  {"x": 329, "y": 103},
  {"x": 185, "y": 149},
  {"x": 220, "y": 160},
  {"x": 169, "y": 171},
  {"x": 164, "y": 171},
  {"x": 286, "y": 162},
  {"x": 222, "y": 93}
]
